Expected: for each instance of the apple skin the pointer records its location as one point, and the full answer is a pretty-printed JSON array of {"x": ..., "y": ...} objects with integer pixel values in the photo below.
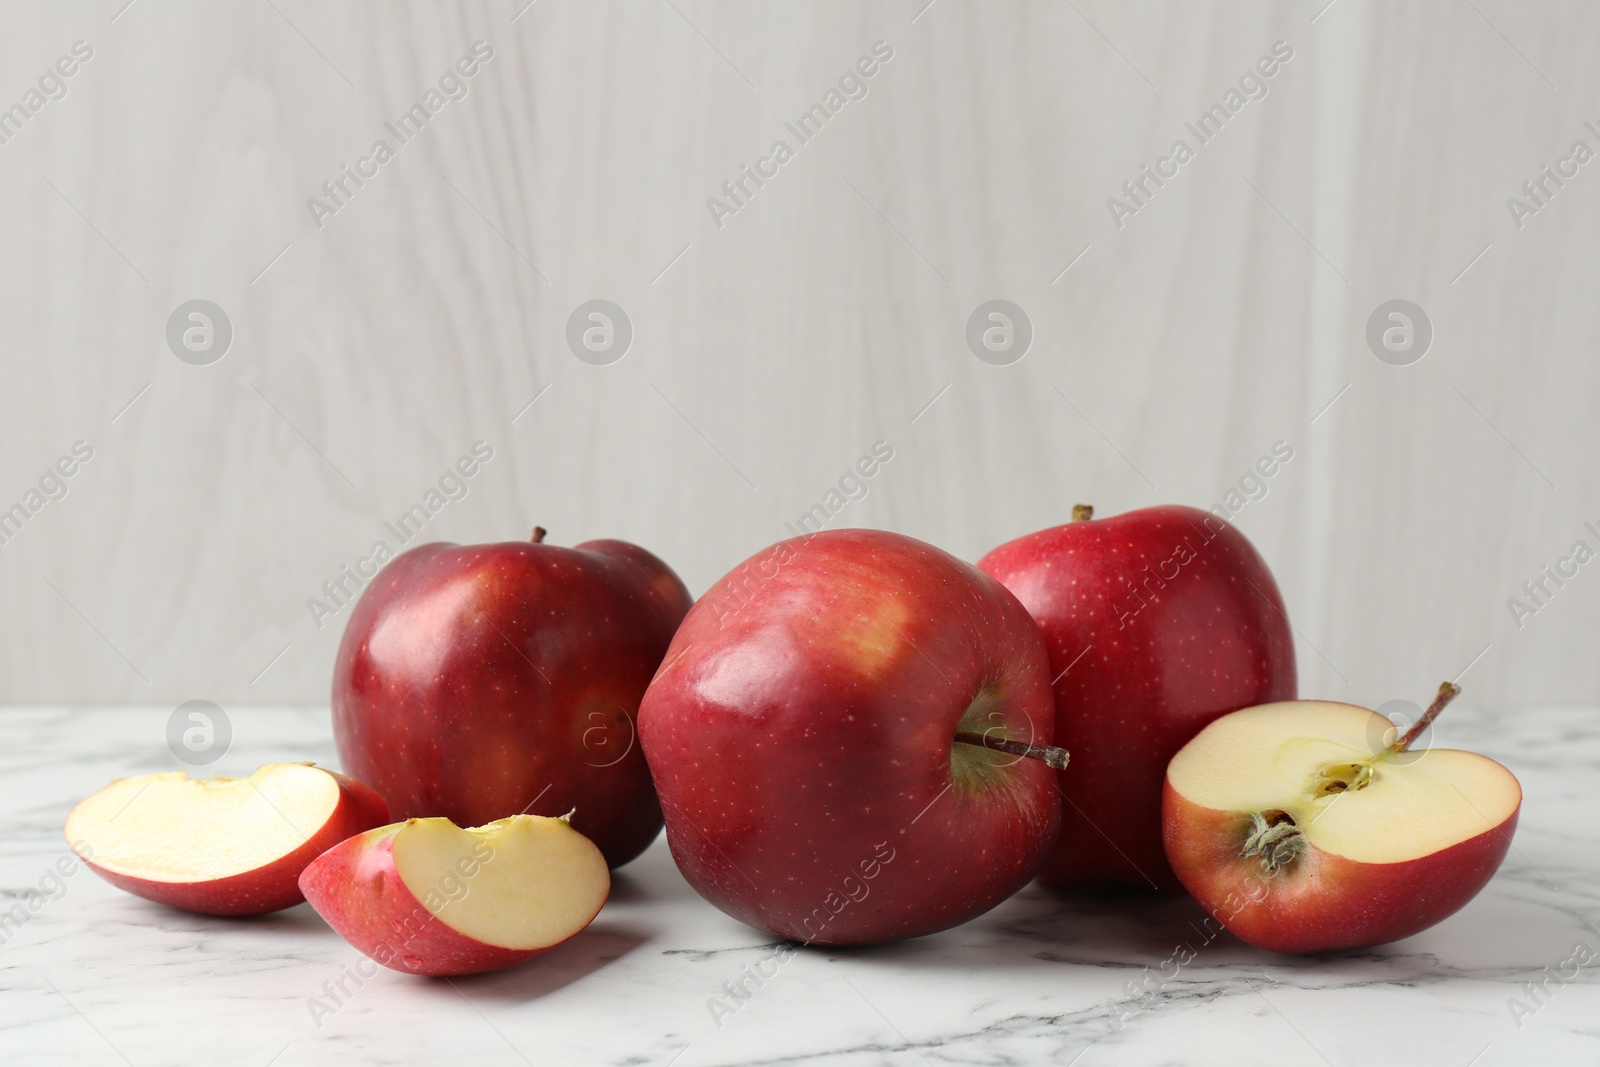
[
  {"x": 801, "y": 734},
  {"x": 1210, "y": 637},
  {"x": 1328, "y": 903},
  {"x": 480, "y": 681},
  {"x": 356, "y": 888},
  {"x": 269, "y": 888}
]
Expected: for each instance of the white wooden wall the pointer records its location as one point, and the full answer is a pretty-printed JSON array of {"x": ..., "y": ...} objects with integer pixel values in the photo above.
[{"x": 824, "y": 316}]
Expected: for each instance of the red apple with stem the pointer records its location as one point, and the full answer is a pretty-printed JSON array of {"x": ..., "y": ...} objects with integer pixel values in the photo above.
[
  {"x": 220, "y": 846},
  {"x": 1300, "y": 831},
  {"x": 1157, "y": 621},
  {"x": 850, "y": 737},
  {"x": 427, "y": 897},
  {"x": 475, "y": 682}
]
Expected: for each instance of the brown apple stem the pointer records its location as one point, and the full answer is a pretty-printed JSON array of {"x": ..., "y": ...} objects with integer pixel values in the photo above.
[
  {"x": 538, "y": 535},
  {"x": 1082, "y": 512},
  {"x": 1049, "y": 754},
  {"x": 1448, "y": 691}
]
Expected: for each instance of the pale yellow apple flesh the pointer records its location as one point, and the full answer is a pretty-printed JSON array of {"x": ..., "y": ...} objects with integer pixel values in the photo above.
[
  {"x": 535, "y": 881},
  {"x": 172, "y": 828},
  {"x": 1323, "y": 764}
]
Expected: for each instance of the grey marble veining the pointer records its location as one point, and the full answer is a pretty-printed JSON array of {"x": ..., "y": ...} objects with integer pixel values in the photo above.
[{"x": 95, "y": 976}]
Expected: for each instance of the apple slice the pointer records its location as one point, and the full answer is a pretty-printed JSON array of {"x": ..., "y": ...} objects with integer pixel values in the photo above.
[
  {"x": 1300, "y": 830},
  {"x": 427, "y": 897},
  {"x": 220, "y": 846}
]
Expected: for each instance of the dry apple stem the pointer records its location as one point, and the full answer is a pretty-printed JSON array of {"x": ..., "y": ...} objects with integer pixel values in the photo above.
[
  {"x": 1048, "y": 754},
  {"x": 1448, "y": 691}
]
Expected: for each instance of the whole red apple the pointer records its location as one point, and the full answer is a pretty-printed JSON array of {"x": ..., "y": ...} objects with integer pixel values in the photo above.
[
  {"x": 1300, "y": 831},
  {"x": 476, "y": 682},
  {"x": 1157, "y": 621},
  {"x": 825, "y": 737}
]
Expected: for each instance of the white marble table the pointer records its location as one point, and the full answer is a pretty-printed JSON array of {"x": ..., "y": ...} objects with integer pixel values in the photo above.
[{"x": 96, "y": 976}]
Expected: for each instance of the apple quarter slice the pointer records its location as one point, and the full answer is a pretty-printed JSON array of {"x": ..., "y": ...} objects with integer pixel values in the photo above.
[
  {"x": 1301, "y": 829},
  {"x": 220, "y": 846},
  {"x": 427, "y": 897}
]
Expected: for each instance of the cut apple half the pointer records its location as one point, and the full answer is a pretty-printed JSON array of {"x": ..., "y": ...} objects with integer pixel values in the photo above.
[
  {"x": 221, "y": 846},
  {"x": 1303, "y": 828},
  {"x": 427, "y": 897}
]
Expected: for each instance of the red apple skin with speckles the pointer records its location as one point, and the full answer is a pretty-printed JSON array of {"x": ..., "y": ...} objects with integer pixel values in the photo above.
[
  {"x": 801, "y": 733},
  {"x": 1157, "y": 621},
  {"x": 265, "y": 889},
  {"x": 356, "y": 888},
  {"x": 480, "y": 681},
  {"x": 1327, "y": 902}
]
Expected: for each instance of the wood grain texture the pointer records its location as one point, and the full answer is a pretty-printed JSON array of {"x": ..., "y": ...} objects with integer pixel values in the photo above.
[{"x": 822, "y": 317}]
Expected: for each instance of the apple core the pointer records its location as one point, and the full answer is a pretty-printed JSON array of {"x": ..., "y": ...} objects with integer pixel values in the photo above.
[{"x": 1301, "y": 776}]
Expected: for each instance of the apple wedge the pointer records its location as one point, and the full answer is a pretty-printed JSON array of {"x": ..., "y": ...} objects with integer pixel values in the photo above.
[
  {"x": 220, "y": 846},
  {"x": 1301, "y": 828},
  {"x": 425, "y": 896}
]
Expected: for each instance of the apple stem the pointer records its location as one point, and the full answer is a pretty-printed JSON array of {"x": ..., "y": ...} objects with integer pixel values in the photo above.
[
  {"x": 538, "y": 535},
  {"x": 1048, "y": 754},
  {"x": 1448, "y": 691},
  {"x": 1082, "y": 512}
]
